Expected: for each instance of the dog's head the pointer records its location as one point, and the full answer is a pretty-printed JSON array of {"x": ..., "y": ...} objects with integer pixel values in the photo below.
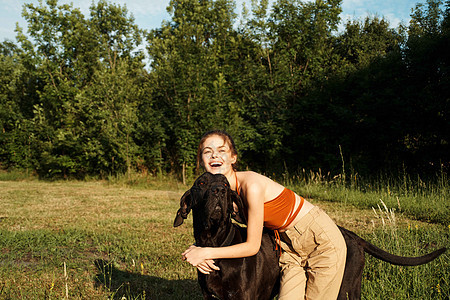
[{"x": 212, "y": 199}]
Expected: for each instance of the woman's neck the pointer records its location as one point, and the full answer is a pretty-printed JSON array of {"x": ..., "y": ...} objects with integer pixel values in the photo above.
[{"x": 232, "y": 179}]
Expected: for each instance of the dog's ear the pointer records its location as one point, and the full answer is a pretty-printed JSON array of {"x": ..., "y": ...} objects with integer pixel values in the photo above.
[
  {"x": 240, "y": 215},
  {"x": 185, "y": 208}
]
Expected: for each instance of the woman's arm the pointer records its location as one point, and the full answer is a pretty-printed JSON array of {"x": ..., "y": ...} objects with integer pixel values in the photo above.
[{"x": 255, "y": 203}]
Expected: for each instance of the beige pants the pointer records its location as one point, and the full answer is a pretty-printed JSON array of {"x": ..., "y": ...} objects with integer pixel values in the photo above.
[{"x": 313, "y": 258}]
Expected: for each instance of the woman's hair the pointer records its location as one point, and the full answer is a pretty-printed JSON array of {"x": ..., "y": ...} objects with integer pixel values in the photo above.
[{"x": 225, "y": 136}]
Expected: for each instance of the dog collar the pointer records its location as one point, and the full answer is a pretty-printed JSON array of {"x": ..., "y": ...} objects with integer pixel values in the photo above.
[{"x": 229, "y": 238}]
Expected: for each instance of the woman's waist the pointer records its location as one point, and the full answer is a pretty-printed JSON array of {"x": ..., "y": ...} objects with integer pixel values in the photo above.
[{"x": 305, "y": 209}]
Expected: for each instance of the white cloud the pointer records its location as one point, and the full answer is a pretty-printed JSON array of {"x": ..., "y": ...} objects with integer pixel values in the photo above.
[{"x": 145, "y": 7}]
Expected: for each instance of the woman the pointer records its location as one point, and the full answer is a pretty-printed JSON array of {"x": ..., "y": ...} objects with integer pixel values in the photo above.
[{"x": 314, "y": 252}]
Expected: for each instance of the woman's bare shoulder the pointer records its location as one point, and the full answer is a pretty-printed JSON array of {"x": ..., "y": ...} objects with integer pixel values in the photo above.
[
  {"x": 252, "y": 181},
  {"x": 253, "y": 175},
  {"x": 249, "y": 173},
  {"x": 248, "y": 178}
]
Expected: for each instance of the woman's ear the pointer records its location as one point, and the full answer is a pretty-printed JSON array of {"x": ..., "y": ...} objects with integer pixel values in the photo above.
[{"x": 233, "y": 159}]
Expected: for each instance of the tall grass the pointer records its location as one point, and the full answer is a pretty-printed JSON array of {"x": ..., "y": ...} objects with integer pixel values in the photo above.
[
  {"x": 386, "y": 281},
  {"x": 15, "y": 175},
  {"x": 414, "y": 197}
]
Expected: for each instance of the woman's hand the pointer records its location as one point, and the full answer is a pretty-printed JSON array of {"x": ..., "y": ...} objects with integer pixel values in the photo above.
[
  {"x": 207, "y": 266},
  {"x": 196, "y": 257}
]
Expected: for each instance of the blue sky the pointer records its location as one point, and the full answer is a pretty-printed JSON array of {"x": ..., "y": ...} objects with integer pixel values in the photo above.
[{"x": 150, "y": 13}]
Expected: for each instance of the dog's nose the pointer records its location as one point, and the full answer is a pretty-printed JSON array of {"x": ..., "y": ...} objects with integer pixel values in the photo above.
[{"x": 219, "y": 190}]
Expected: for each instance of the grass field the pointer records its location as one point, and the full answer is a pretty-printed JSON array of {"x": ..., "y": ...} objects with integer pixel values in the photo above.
[{"x": 101, "y": 240}]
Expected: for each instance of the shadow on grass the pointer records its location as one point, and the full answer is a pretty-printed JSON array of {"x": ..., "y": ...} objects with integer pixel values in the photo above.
[{"x": 136, "y": 286}]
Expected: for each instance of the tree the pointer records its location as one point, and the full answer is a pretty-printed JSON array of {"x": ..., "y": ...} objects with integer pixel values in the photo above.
[
  {"x": 427, "y": 60},
  {"x": 188, "y": 65},
  {"x": 14, "y": 137},
  {"x": 69, "y": 54},
  {"x": 107, "y": 118},
  {"x": 303, "y": 59}
]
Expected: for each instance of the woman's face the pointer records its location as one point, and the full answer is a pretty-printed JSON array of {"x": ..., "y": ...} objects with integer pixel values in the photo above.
[{"x": 217, "y": 157}]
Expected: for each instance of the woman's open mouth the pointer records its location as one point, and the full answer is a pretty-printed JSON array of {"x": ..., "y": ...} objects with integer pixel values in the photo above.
[{"x": 215, "y": 164}]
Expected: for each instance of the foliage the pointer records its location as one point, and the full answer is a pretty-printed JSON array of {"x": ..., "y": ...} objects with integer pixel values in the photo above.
[{"x": 77, "y": 100}]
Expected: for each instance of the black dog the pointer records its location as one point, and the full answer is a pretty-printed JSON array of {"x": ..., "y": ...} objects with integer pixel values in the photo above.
[
  {"x": 254, "y": 277},
  {"x": 257, "y": 277}
]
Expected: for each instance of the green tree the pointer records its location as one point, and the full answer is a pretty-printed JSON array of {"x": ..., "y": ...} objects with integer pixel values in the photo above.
[
  {"x": 70, "y": 53},
  {"x": 363, "y": 42},
  {"x": 188, "y": 74},
  {"x": 427, "y": 60},
  {"x": 14, "y": 140},
  {"x": 303, "y": 58},
  {"x": 75, "y": 98},
  {"x": 107, "y": 117}
]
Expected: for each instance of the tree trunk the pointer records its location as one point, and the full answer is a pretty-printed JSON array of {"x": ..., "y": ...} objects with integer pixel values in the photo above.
[{"x": 184, "y": 173}]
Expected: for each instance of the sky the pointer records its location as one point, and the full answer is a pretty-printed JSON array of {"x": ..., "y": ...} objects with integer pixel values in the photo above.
[{"x": 150, "y": 13}]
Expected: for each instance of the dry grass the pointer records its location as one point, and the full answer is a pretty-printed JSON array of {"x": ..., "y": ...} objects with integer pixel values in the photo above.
[
  {"x": 363, "y": 221},
  {"x": 44, "y": 225}
]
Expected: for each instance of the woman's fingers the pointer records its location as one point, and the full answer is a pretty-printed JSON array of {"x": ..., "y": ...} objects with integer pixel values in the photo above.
[
  {"x": 211, "y": 265},
  {"x": 188, "y": 250},
  {"x": 204, "y": 268},
  {"x": 207, "y": 266},
  {"x": 193, "y": 255},
  {"x": 183, "y": 255}
]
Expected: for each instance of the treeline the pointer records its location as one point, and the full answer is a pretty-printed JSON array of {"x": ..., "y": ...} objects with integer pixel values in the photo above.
[{"x": 97, "y": 95}]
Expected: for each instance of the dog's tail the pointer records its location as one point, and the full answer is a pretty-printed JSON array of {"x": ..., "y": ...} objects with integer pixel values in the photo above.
[
  {"x": 401, "y": 260},
  {"x": 391, "y": 258}
]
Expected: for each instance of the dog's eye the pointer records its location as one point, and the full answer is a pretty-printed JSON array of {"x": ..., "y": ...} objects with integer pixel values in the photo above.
[{"x": 201, "y": 183}]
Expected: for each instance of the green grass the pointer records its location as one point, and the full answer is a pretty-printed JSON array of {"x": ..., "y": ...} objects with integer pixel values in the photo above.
[
  {"x": 429, "y": 281},
  {"x": 15, "y": 175},
  {"x": 114, "y": 239},
  {"x": 386, "y": 281},
  {"x": 426, "y": 201}
]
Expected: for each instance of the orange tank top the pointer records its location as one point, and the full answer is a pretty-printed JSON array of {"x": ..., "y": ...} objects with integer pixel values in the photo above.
[{"x": 279, "y": 212}]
